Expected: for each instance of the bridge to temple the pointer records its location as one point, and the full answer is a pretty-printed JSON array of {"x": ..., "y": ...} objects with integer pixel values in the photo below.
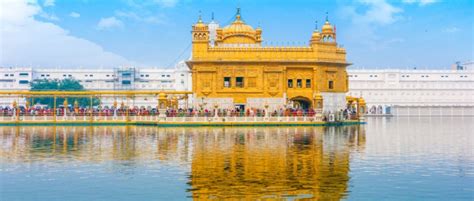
[{"x": 171, "y": 109}]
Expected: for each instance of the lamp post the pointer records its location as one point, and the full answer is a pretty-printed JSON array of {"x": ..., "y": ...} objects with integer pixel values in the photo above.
[
  {"x": 115, "y": 108},
  {"x": 27, "y": 104},
  {"x": 266, "y": 109},
  {"x": 15, "y": 110},
  {"x": 65, "y": 104},
  {"x": 216, "y": 115}
]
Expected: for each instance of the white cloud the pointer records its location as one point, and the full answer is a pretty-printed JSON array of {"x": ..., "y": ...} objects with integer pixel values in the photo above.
[
  {"x": 47, "y": 16},
  {"x": 109, "y": 23},
  {"x": 26, "y": 41},
  {"x": 451, "y": 30},
  {"x": 126, "y": 14},
  {"x": 426, "y": 2},
  {"x": 146, "y": 3},
  {"x": 367, "y": 18},
  {"x": 166, "y": 3},
  {"x": 74, "y": 15},
  {"x": 420, "y": 2},
  {"x": 136, "y": 17},
  {"x": 48, "y": 3},
  {"x": 378, "y": 12}
]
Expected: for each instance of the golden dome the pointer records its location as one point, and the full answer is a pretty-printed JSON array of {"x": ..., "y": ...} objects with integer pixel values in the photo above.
[
  {"x": 327, "y": 28},
  {"x": 239, "y": 33},
  {"x": 238, "y": 27}
]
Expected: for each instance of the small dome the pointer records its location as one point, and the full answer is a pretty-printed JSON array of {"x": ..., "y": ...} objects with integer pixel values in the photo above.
[
  {"x": 316, "y": 34},
  {"x": 327, "y": 28},
  {"x": 200, "y": 24}
]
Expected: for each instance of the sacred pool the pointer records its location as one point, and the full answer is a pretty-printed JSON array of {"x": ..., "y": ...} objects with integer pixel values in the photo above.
[{"x": 426, "y": 158}]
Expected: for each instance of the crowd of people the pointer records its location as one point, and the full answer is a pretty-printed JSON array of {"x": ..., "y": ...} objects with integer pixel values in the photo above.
[
  {"x": 142, "y": 111},
  {"x": 170, "y": 112}
]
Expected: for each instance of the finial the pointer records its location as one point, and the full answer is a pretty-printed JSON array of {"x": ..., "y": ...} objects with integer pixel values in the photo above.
[
  {"x": 327, "y": 16},
  {"x": 212, "y": 16},
  {"x": 237, "y": 16},
  {"x": 316, "y": 25},
  {"x": 200, "y": 18}
]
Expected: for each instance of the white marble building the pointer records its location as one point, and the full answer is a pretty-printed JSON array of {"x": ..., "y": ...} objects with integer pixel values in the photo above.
[
  {"x": 174, "y": 79},
  {"x": 414, "y": 92}
]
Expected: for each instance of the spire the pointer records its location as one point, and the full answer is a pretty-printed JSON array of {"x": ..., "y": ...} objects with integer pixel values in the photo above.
[
  {"x": 316, "y": 25},
  {"x": 237, "y": 16},
  {"x": 200, "y": 18},
  {"x": 327, "y": 19},
  {"x": 212, "y": 16}
]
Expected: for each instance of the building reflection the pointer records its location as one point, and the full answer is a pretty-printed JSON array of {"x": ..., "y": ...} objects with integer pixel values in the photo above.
[
  {"x": 273, "y": 163},
  {"x": 223, "y": 163}
]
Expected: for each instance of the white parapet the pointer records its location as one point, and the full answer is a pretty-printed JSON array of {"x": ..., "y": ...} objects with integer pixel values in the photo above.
[
  {"x": 333, "y": 102},
  {"x": 209, "y": 103},
  {"x": 272, "y": 103}
]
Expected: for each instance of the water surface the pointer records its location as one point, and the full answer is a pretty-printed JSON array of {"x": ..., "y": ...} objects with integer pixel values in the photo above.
[{"x": 387, "y": 159}]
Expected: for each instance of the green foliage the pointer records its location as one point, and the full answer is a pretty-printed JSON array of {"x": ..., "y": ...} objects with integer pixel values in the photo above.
[{"x": 60, "y": 85}]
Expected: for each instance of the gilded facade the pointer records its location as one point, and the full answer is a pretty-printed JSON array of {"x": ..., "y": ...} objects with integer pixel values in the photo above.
[{"x": 231, "y": 67}]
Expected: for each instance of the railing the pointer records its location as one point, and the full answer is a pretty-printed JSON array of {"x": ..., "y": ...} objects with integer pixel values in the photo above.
[
  {"x": 156, "y": 118},
  {"x": 171, "y": 116}
]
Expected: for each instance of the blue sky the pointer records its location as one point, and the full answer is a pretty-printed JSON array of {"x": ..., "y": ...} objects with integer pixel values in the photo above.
[{"x": 101, "y": 33}]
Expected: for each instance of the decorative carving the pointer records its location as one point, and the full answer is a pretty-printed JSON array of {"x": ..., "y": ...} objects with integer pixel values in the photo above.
[
  {"x": 252, "y": 82},
  {"x": 200, "y": 36}
]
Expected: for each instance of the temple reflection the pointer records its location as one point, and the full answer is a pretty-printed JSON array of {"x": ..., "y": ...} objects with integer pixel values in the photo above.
[
  {"x": 223, "y": 162},
  {"x": 273, "y": 163}
]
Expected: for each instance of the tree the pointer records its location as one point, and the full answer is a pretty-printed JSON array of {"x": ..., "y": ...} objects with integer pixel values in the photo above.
[{"x": 60, "y": 85}]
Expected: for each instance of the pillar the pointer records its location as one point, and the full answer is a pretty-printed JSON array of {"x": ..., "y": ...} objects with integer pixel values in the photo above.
[
  {"x": 91, "y": 109},
  {"x": 54, "y": 108},
  {"x": 318, "y": 102},
  {"x": 15, "y": 110},
  {"x": 318, "y": 106},
  {"x": 186, "y": 99},
  {"x": 361, "y": 107},
  {"x": 162, "y": 101},
  {"x": 76, "y": 107}
]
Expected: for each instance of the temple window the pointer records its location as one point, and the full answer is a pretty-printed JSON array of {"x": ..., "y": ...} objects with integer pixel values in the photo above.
[
  {"x": 227, "y": 82},
  {"x": 290, "y": 83},
  {"x": 239, "y": 82},
  {"x": 308, "y": 83},
  {"x": 299, "y": 83},
  {"x": 331, "y": 84}
]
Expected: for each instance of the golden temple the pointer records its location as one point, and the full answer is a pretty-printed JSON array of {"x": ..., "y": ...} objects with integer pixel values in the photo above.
[{"x": 232, "y": 68}]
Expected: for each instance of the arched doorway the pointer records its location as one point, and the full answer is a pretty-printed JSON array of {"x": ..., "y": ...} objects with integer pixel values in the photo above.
[
  {"x": 300, "y": 102},
  {"x": 379, "y": 109},
  {"x": 373, "y": 110}
]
